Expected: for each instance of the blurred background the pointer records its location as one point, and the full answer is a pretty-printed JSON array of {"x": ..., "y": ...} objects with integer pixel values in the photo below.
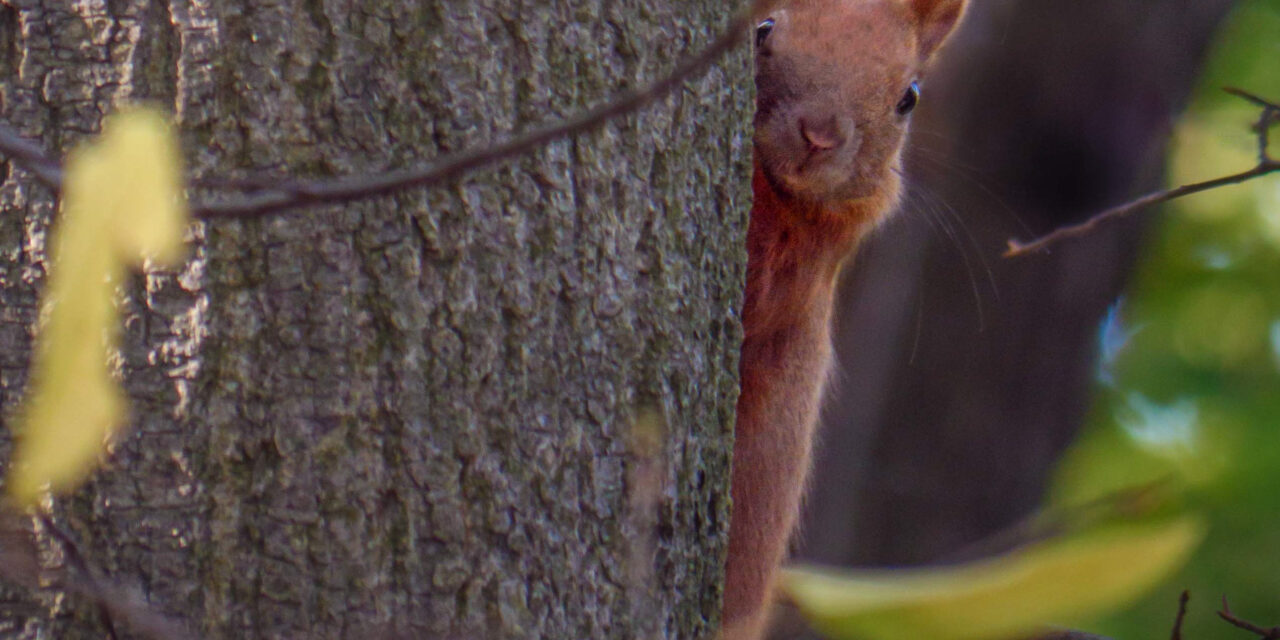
[{"x": 1150, "y": 346}]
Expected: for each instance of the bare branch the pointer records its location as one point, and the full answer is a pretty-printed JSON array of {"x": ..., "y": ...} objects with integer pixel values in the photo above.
[
  {"x": 1182, "y": 615},
  {"x": 31, "y": 157},
  {"x": 1261, "y": 102},
  {"x": 1017, "y": 248},
  {"x": 1270, "y": 114},
  {"x": 114, "y": 603},
  {"x": 1266, "y": 164},
  {"x": 1266, "y": 634},
  {"x": 20, "y": 565},
  {"x": 298, "y": 194},
  {"x": 1128, "y": 502},
  {"x": 270, "y": 196}
]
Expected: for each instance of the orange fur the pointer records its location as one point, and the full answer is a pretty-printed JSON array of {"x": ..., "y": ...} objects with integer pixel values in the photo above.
[{"x": 828, "y": 144}]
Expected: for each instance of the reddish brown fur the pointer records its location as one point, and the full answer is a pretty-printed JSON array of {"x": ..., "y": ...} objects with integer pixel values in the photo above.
[{"x": 828, "y": 145}]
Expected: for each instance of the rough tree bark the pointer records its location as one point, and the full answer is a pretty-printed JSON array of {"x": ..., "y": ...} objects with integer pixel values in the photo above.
[{"x": 409, "y": 417}]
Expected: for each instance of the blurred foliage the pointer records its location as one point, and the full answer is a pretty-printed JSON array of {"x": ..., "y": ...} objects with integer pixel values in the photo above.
[
  {"x": 1062, "y": 580},
  {"x": 1189, "y": 373}
]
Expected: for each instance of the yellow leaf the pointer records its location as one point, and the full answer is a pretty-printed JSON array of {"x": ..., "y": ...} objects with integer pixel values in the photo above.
[
  {"x": 1060, "y": 582},
  {"x": 144, "y": 189},
  {"x": 121, "y": 203}
]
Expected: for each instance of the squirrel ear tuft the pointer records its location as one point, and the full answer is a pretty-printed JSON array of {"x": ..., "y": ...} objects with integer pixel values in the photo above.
[{"x": 935, "y": 19}]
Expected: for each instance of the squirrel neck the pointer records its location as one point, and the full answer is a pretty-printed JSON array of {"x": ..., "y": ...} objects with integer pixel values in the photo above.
[{"x": 795, "y": 250}]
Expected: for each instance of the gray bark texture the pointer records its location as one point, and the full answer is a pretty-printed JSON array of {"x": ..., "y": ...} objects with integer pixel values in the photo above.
[{"x": 419, "y": 416}]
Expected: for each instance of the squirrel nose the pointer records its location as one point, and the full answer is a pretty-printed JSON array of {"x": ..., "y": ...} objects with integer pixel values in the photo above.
[{"x": 820, "y": 134}]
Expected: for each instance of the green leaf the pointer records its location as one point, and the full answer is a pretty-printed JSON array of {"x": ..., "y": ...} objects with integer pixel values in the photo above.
[{"x": 1062, "y": 581}]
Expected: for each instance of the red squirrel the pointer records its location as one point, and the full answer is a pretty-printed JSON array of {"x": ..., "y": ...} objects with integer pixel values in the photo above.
[{"x": 835, "y": 82}]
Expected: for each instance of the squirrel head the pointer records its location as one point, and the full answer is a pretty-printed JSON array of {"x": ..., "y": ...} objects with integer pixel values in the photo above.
[{"x": 836, "y": 81}]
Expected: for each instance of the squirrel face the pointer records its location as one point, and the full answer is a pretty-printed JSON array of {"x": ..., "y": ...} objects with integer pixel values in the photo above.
[{"x": 835, "y": 83}]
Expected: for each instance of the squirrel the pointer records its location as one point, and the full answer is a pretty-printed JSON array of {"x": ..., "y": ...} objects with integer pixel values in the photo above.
[{"x": 835, "y": 82}]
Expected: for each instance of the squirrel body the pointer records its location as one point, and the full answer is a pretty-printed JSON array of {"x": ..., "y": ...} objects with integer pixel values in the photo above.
[{"x": 835, "y": 81}]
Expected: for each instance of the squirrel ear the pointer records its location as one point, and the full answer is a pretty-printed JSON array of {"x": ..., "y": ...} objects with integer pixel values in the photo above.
[{"x": 935, "y": 19}]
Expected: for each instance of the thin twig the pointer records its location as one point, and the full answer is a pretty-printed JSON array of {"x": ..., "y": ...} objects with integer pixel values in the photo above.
[
  {"x": 1182, "y": 615},
  {"x": 347, "y": 189},
  {"x": 1266, "y": 634},
  {"x": 1266, "y": 165},
  {"x": 19, "y": 564},
  {"x": 284, "y": 193},
  {"x": 1017, "y": 248},
  {"x": 30, "y": 156},
  {"x": 1270, "y": 112},
  {"x": 1129, "y": 502},
  {"x": 114, "y": 603},
  {"x": 71, "y": 551},
  {"x": 1251, "y": 97}
]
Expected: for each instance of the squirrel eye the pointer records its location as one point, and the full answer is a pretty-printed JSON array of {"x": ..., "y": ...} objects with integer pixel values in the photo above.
[
  {"x": 762, "y": 32},
  {"x": 909, "y": 99}
]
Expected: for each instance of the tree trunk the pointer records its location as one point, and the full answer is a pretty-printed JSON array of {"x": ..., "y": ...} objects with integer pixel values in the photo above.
[{"x": 422, "y": 415}]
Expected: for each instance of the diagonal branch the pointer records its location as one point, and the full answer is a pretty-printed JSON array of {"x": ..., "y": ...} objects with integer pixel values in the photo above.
[
  {"x": 289, "y": 196},
  {"x": 1266, "y": 164},
  {"x": 1266, "y": 634},
  {"x": 20, "y": 565},
  {"x": 114, "y": 603},
  {"x": 1017, "y": 248},
  {"x": 270, "y": 197},
  {"x": 31, "y": 157}
]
